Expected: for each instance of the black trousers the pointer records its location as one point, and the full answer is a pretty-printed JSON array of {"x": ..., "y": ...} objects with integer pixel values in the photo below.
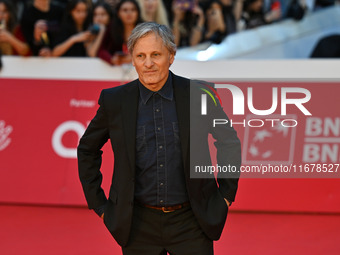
[{"x": 154, "y": 232}]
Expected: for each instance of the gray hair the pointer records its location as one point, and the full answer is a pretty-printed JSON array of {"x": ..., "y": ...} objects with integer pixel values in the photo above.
[{"x": 143, "y": 29}]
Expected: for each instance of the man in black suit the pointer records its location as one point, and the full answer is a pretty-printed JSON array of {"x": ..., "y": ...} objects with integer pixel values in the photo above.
[{"x": 154, "y": 205}]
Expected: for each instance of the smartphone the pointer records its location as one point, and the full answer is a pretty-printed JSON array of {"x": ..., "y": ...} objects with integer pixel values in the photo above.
[
  {"x": 276, "y": 5},
  {"x": 186, "y": 5},
  {"x": 94, "y": 29},
  {"x": 2, "y": 24}
]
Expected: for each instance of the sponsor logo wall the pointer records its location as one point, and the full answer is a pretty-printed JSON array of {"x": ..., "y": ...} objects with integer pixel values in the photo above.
[{"x": 41, "y": 122}]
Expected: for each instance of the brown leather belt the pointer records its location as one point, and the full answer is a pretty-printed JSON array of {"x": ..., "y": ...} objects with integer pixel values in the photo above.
[{"x": 166, "y": 209}]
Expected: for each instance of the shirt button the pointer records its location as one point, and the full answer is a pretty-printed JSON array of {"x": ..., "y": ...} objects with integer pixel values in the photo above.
[
  {"x": 161, "y": 147},
  {"x": 158, "y": 128},
  {"x": 161, "y": 201},
  {"x": 161, "y": 184},
  {"x": 157, "y": 110},
  {"x": 161, "y": 165}
]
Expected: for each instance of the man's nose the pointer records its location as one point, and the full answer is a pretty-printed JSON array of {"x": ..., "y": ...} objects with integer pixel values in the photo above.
[{"x": 148, "y": 62}]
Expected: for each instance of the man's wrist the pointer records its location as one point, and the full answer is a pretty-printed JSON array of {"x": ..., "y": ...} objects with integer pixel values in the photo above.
[
  {"x": 99, "y": 210},
  {"x": 228, "y": 203}
]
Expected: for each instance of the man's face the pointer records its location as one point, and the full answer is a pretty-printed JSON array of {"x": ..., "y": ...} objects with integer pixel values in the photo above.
[{"x": 152, "y": 60}]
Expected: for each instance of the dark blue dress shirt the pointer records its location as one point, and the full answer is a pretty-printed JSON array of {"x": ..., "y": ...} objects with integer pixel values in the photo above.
[{"x": 159, "y": 168}]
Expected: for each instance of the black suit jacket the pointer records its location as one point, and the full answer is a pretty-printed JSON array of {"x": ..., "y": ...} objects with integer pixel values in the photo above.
[{"x": 116, "y": 120}]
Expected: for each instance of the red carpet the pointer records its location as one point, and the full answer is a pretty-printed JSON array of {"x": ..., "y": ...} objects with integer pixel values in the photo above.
[{"x": 53, "y": 230}]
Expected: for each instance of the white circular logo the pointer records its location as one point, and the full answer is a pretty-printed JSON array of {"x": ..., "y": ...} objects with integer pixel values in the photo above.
[{"x": 58, "y": 134}]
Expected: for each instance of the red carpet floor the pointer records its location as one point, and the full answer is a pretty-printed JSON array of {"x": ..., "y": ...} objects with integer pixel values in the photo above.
[{"x": 26, "y": 230}]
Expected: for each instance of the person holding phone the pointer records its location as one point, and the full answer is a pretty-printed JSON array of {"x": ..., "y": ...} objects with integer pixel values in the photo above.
[
  {"x": 215, "y": 24},
  {"x": 74, "y": 33},
  {"x": 188, "y": 23},
  {"x": 102, "y": 16}
]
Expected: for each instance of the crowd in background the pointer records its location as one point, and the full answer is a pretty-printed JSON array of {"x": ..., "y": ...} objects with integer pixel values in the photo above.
[{"x": 85, "y": 28}]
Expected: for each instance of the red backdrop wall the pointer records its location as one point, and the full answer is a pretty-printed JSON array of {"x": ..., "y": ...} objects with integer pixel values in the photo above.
[{"x": 41, "y": 122}]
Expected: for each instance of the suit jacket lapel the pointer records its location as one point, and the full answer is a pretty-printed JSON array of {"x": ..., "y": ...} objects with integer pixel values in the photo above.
[
  {"x": 129, "y": 115},
  {"x": 182, "y": 96}
]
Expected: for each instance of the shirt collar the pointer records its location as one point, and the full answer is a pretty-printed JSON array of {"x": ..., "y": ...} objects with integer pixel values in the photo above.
[{"x": 166, "y": 91}]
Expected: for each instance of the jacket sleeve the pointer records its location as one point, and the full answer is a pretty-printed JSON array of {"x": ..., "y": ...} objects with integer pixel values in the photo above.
[
  {"x": 228, "y": 148},
  {"x": 89, "y": 155}
]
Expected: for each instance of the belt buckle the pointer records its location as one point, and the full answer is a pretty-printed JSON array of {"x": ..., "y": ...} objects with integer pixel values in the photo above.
[{"x": 166, "y": 211}]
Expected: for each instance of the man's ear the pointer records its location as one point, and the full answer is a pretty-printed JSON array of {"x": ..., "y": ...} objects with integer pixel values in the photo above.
[{"x": 171, "y": 58}]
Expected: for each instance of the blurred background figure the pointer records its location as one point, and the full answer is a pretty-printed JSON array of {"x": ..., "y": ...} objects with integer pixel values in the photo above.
[
  {"x": 296, "y": 9},
  {"x": 40, "y": 23},
  {"x": 112, "y": 3},
  {"x": 19, "y": 7},
  {"x": 188, "y": 22},
  {"x": 216, "y": 28},
  {"x": 74, "y": 32},
  {"x": 102, "y": 17},
  {"x": 63, "y": 3},
  {"x": 102, "y": 13},
  {"x": 232, "y": 12},
  {"x": 327, "y": 47},
  {"x": 153, "y": 10},
  {"x": 113, "y": 49},
  {"x": 12, "y": 41},
  {"x": 254, "y": 15},
  {"x": 289, "y": 8},
  {"x": 318, "y": 4},
  {"x": 222, "y": 17}
]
